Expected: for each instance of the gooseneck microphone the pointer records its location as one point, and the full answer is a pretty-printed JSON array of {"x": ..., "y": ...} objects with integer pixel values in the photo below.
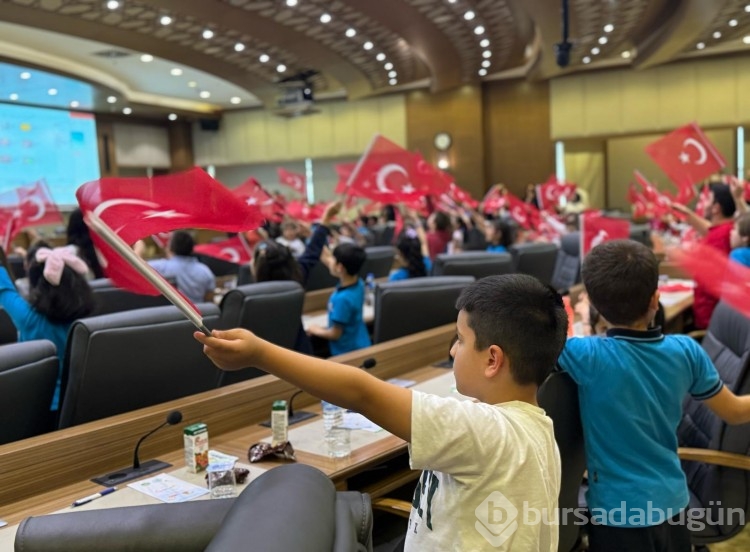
[{"x": 137, "y": 469}]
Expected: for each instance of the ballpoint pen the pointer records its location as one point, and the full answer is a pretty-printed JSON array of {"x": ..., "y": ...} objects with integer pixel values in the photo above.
[{"x": 87, "y": 499}]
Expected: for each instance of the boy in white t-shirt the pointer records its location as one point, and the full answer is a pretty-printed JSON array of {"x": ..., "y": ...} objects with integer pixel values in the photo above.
[{"x": 485, "y": 462}]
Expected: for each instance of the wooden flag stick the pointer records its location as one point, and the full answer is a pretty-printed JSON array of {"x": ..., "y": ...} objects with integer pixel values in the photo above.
[{"x": 127, "y": 253}]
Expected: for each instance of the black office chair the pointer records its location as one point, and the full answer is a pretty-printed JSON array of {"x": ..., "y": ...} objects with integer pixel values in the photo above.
[
  {"x": 568, "y": 264},
  {"x": 28, "y": 375},
  {"x": 245, "y": 275},
  {"x": 17, "y": 267},
  {"x": 271, "y": 310},
  {"x": 477, "y": 264},
  {"x": 320, "y": 278},
  {"x": 409, "y": 306},
  {"x": 110, "y": 299},
  {"x": 714, "y": 454},
  {"x": 536, "y": 259},
  {"x": 8, "y": 330},
  {"x": 379, "y": 261},
  {"x": 641, "y": 233},
  {"x": 120, "y": 362},
  {"x": 220, "y": 267}
]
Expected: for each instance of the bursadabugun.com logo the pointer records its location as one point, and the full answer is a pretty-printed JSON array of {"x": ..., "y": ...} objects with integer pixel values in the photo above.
[{"x": 498, "y": 518}]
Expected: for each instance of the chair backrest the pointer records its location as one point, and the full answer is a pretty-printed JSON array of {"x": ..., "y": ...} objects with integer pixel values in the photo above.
[
  {"x": 245, "y": 275},
  {"x": 478, "y": 264},
  {"x": 320, "y": 278},
  {"x": 379, "y": 261},
  {"x": 110, "y": 299},
  {"x": 123, "y": 361},
  {"x": 8, "y": 330},
  {"x": 727, "y": 343},
  {"x": 220, "y": 267},
  {"x": 558, "y": 396},
  {"x": 383, "y": 234},
  {"x": 28, "y": 375},
  {"x": 536, "y": 259},
  {"x": 641, "y": 233},
  {"x": 568, "y": 265},
  {"x": 271, "y": 310},
  {"x": 17, "y": 267},
  {"x": 408, "y": 306}
]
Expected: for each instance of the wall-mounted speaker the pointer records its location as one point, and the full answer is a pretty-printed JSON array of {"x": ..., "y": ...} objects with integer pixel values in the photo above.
[{"x": 210, "y": 124}]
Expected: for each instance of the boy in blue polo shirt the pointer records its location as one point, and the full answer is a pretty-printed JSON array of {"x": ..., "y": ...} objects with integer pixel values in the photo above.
[
  {"x": 346, "y": 329},
  {"x": 631, "y": 386}
]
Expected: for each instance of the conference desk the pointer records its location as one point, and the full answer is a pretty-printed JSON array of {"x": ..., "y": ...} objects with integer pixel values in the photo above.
[{"x": 47, "y": 473}]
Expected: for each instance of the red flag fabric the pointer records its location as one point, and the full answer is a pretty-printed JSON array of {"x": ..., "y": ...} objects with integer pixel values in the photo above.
[
  {"x": 712, "y": 269},
  {"x": 137, "y": 207},
  {"x": 459, "y": 195},
  {"x": 253, "y": 194},
  {"x": 596, "y": 229},
  {"x": 301, "y": 210},
  {"x": 686, "y": 155},
  {"x": 429, "y": 178},
  {"x": 294, "y": 180},
  {"x": 161, "y": 239},
  {"x": 548, "y": 194},
  {"x": 704, "y": 201},
  {"x": 658, "y": 204},
  {"x": 523, "y": 213},
  {"x": 36, "y": 207},
  {"x": 494, "y": 199},
  {"x": 344, "y": 170},
  {"x": 233, "y": 250}
]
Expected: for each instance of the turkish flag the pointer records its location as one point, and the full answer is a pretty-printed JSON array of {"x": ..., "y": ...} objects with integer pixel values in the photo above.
[
  {"x": 431, "y": 179},
  {"x": 344, "y": 170},
  {"x": 253, "y": 194},
  {"x": 523, "y": 213},
  {"x": 161, "y": 239},
  {"x": 657, "y": 203},
  {"x": 388, "y": 173},
  {"x": 596, "y": 229},
  {"x": 301, "y": 210},
  {"x": 704, "y": 201},
  {"x": 494, "y": 200},
  {"x": 548, "y": 194},
  {"x": 36, "y": 207},
  {"x": 459, "y": 195},
  {"x": 234, "y": 250},
  {"x": 686, "y": 155},
  {"x": 294, "y": 180},
  {"x": 138, "y": 207}
]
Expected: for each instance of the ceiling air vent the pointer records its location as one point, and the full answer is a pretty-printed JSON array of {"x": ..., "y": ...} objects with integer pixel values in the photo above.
[{"x": 112, "y": 54}]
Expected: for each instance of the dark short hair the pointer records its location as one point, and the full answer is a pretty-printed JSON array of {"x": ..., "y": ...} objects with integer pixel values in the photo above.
[
  {"x": 522, "y": 316},
  {"x": 62, "y": 304},
  {"x": 442, "y": 221},
  {"x": 506, "y": 229},
  {"x": 181, "y": 243},
  {"x": 723, "y": 198},
  {"x": 411, "y": 250},
  {"x": 620, "y": 278},
  {"x": 351, "y": 256},
  {"x": 273, "y": 261},
  {"x": 743, "y": 225}
]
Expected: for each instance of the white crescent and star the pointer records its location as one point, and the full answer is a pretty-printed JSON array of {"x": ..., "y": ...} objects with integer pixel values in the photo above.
[
  {"x": 165, "y": 213},
  {"x": 40, "y": 209},
  {"x": 702, "y": 154},
  {"x": 231, "y": 254},
  {"x": 384, "y": 173}
]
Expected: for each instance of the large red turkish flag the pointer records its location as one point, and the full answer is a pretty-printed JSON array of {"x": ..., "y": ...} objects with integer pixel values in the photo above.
[
  {"x": 234, "y": 250},
  {"x": 596, "y": 229},
  {"x": 294, "y": 180}
]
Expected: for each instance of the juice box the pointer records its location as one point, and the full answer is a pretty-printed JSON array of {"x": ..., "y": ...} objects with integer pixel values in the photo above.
[{"x": 196, "y": 447}]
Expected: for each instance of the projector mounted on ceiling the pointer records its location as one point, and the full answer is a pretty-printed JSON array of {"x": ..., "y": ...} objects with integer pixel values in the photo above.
[{"x": 296, "y": 96}]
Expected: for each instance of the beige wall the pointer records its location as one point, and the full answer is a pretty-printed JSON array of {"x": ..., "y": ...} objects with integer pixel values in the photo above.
[{"x": 586, "y": 166}]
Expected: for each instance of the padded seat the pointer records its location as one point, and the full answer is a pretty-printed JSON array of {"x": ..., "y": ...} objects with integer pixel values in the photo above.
[
  {"x": 379, "y": 261},
  {"x": 110, "y": 299},
  {"x": 8, "y": 330},
  {"x": 568, "y": 264},
  {"x": 536, "y": 259},
  {"x": 477, "y": 264}
]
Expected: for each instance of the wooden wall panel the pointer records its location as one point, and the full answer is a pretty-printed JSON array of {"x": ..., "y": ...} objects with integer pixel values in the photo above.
[{"x": 181, "y": 156}]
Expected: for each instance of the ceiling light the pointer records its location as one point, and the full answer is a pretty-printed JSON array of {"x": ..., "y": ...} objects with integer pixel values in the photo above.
[
  {"x": 264, "y": 58},
  {"x": 732, "y": 22},
  {"x": 595, "y": 50},
  {"x": 25, "y": 75},
  {"x": 388, "y": 66},
  {"x": 351, "y": 32},
  {"x": 13, "y": 97},
  {"x": 111, "y": 99},
  {"x": 626, "y": 54},
  {"x": 746, "y": 39},
  {"x": 208, "y": 34},
  {"x": 147, "y": 58},
  {"x": 74, "y": 104},
  {"x": 291, "y": 3},
  {"x": 113, "y": 4},
  {"x": 392, "y": 82},
  {"x": 325, "y": 18},
  {"x": 235, "y": 100},
  {"x": 165, "y": 20},
  {"x": 443, "y": 163},
  {"x": 367, "y": 45},
  {"x": 486, "y": 63},
  {"x": 392, "y": 74},
  {"x": 52, "y": 91},
  {"x": 239, "y": 47},
  {"x": 700, "y": 45},
  {"x": 205, "y": 94},
  {"x": 608, "y": 28},
  {"x": 452, "y": 1},
  {"x": 172, "y": 116},
  {"x": 469, "y": 15},
  {"x": 484, "y": 43},
  {"x": 192, "y": 84},
  {"x": 380, "y": 56},
  {"x": 281, "y": 67},
  {"x": 586, "y": 59},
  {"x": 717, "y": 34},
  {"x": 486, "y": 54},
  {"x": 747, "y": 8},
  {"x": 126, "y": 111},
  {"x": 175, "y": 72},
  {"x": 478, "y": 30},
  {"x": 602, "y": 40},
  {"x": 482, "y": 72}
]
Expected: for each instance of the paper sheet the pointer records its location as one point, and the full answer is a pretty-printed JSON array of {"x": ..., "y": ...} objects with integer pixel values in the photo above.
[{"x": 168, "y": 488}]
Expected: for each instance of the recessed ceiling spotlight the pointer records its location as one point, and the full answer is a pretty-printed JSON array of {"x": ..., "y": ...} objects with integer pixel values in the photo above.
[
  {"x": 747, "y": 8},
  {"x": 147, "y": 58},
  {"x": 393, "y": 82},
  {"x": 281, "y": 67},
  {"x": 486, "y": 63},
  {"x": 732, "y": 22},
  {"x": 380, "y": 56},
  {"x": 595, "y": 50},
  {"x": 487, "y": 54},
  {"x": 484, "y": 43},
  {"x": 13, "y": 97},
  {"x": 325, "y": 17},
  {"x": 126, "y": 110},
  {"x": 626, "y": 54},
  {"x": 351, "y": 32},
  {"x": 717, "y": 34},
  {"x": 25, "y": 75},
  {"x": 746, "y": 39},
  {"x": 165, "y": 20},
  {"x": 603, "y": 40},
  {"x": 235, "y": 100},
  {"x": 388, "y": 66},
  {"x": 111, "y": 99},
  {"x": 205, "y": 94},
  {"x": 469, "y": 15},
  {"x": 52, "y": 91},
  {"x": 175, "y": 72},
  {"x": 192, "y": 84},
  {"x": 479, "y": 29},
  {"x": 291, "y": 3},
  {"x": 367, "y": 45},
  {"x": 113, "y": 4},
  {"x": 392, "y": 74},
  {"x": 264, "y": 58},
  {"x": 608, "y": 28},
  {"x": 700, "y": 45},
  {"x": 586, "y": 59},
  {"x": 452, "y": 1},
  {"x": 482, "y": 72},
  {"x": 74, "y": 104},
  {"x": 172, "y": 116},
  {"x": 239, "y": 47},
  {"x": 208, "y": 34}
]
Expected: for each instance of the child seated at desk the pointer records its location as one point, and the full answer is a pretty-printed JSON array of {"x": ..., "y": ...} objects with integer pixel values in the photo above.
[{"x": 511, "y": 329}]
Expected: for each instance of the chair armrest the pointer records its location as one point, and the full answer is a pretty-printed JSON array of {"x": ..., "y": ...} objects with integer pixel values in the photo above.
[
  {"x": 697, "y": 334},
  {"x": 395, "y": 506},
  {"x": 718, "y": 458}
]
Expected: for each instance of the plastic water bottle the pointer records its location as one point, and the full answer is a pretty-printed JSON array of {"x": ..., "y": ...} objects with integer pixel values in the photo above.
[
  {"x": 370, "y": 289},
  {"x": 333, "y": 416}
]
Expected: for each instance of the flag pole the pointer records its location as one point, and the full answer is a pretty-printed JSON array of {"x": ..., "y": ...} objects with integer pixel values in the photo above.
[
  {"x": 358, "y": 166},
  {"x": 126, "y": 252}
]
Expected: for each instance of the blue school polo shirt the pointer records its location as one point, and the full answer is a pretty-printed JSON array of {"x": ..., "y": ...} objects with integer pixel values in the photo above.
[
  {"x": 741, "y": 255},
  {"x": 403, "y": 272},
  {"x": 345, "y": 310},
  {"x": 631, "y": 385},
  {"x": 496, "y": 249}
]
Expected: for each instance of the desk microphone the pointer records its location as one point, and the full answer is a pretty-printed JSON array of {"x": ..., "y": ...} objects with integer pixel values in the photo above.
[
  {"x": 368, "y": 363},
  {"x": 138, "y": 470}
]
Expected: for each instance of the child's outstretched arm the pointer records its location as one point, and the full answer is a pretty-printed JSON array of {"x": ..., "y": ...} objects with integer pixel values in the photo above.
[
  {"x": 386, "y": 404},
  {"x": 729, "y": 407}
]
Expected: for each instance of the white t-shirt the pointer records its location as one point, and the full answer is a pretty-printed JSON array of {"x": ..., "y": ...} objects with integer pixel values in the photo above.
[
  {"x": 482, "y": 461},
  {"x": 297, "y": 246}
]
